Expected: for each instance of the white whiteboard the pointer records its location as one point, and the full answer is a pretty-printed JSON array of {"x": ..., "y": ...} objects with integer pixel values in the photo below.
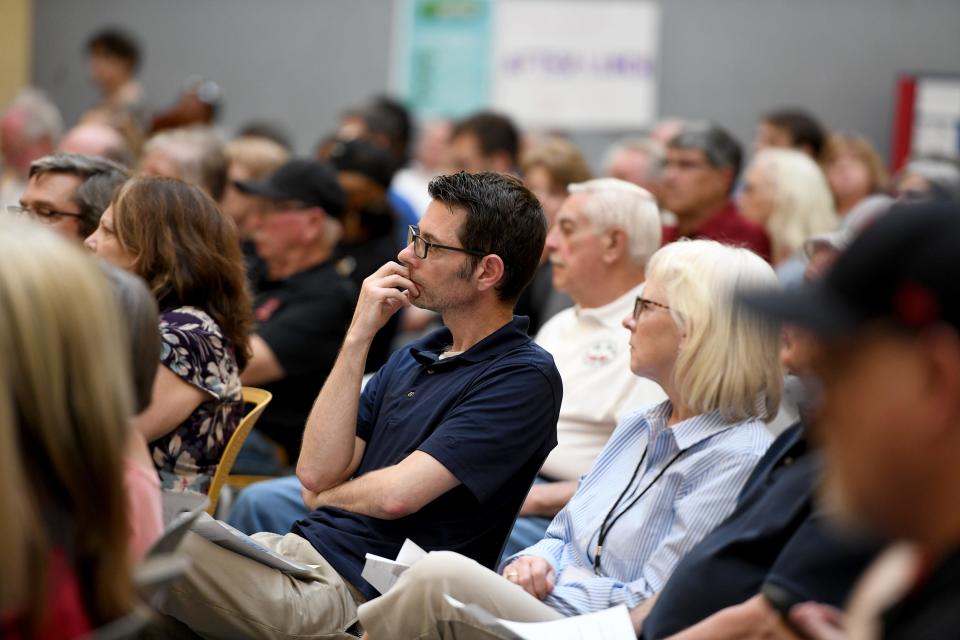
[{"x": 586, "y": 65}]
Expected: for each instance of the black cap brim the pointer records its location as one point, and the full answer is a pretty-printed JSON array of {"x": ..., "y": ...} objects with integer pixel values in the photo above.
[{"x": 811, "y": 307}]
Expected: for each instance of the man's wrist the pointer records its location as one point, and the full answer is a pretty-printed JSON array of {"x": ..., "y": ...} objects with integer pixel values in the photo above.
[{"x": 356, "y": 341}]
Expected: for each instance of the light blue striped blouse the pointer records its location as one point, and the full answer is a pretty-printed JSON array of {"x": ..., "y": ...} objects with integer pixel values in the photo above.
[{"x": 694, "y": 495}]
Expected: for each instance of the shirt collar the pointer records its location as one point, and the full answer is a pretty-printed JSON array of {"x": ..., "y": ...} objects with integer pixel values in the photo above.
[
  {"x": 511, "y": 335},
  {"x": 689, "y": 432},
  {"x": 612, "y": 313}
]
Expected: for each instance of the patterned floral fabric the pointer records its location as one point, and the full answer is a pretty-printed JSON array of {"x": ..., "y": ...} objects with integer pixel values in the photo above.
[{"x": 195, "y": 349}]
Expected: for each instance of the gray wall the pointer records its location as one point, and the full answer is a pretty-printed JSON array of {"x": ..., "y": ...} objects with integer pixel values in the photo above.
[{"x": 304, "y": 61}]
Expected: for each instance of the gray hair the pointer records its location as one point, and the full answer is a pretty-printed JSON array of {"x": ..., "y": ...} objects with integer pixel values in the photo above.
[
  {"x": 622, "y": 204},
  {"x": 647, "y": 146},
  {"x": 42, "y": 117},
  {"x": 198, "y": 154},
  {"x": 99, "y": 177},
  {"x": 718, "y": 145}
]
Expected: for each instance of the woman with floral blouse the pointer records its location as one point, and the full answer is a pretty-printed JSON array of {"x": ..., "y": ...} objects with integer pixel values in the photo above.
[{"x": 173, "y": 236}]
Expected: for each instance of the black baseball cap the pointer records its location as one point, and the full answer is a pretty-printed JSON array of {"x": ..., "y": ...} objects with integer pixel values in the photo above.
[
  {"x": 904, "y": 270},
  {"x": 311, "y": 182}
]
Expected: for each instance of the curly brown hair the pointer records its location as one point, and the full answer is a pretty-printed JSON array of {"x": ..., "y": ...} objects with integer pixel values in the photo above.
[{"x": 187, "y": 251}]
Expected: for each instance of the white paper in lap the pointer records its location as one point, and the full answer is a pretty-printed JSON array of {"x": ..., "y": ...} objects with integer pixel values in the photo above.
[{"x": 610, "y": 624}]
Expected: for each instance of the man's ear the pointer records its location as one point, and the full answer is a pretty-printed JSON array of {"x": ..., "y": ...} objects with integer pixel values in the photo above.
[
  {"x": 616, "y": 245},
  {"x": 490, "y": 271},
  {"x": 942, "y": 356},
  {"x": 316, "y": 222}
]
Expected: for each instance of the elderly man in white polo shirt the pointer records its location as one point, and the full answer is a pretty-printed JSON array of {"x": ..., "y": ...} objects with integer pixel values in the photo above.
[{"x": 599, "y": 245}]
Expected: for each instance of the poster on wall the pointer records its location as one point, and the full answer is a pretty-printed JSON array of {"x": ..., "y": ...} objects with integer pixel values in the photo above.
[
  {"x": 927, "y": 121},
  {"x": 444, "y": 49},
  {"x": 577, "y": 65}
]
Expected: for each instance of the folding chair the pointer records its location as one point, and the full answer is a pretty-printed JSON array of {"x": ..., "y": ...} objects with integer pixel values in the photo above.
[{"x": 251, "y": 395}]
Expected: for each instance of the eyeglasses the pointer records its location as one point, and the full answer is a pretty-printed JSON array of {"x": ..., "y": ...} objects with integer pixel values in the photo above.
[
  {"x": 422, "y": 246},
  {"x": 48, "y": 217},
  {"x": 642, "y": 305}
]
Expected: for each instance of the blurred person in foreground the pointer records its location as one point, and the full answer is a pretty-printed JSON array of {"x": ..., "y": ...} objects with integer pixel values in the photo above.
[
  {"x": 65, "y": 407},
  {"x": 669, "y": 474},
  {"x": 69, "y": 192},
  {"x": 887, "y": 317},
  {"x": 699, "y": 173}
]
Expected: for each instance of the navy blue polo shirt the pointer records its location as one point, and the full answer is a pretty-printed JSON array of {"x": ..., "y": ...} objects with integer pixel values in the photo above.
[
  {"x": 489, "y": 415},
  {"x": 775, "y": 535}
]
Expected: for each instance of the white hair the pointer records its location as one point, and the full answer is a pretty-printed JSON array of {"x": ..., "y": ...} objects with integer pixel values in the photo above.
[
  {"x": 803, "y": 204},
  {"x": 198, "y": 155},
  {"x": 622, "y": 204},
  {"x": 42, "y": 119},
  {"x": 729, "y": 359}
]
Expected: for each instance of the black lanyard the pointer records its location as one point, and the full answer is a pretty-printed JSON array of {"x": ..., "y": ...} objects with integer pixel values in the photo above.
[{"x": 604, "y": 527}]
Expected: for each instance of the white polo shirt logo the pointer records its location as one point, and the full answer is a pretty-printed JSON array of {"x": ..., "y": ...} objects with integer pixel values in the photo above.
[{"x": 600, "y": 354}]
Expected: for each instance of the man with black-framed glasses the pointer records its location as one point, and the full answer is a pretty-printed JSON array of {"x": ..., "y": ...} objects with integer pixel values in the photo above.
[
  {"x": 440, "y": 447},
  {"x": 69, "y": 192}
]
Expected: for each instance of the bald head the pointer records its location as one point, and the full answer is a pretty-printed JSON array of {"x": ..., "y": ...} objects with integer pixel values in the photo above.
[{"x": 96, "y": 139}]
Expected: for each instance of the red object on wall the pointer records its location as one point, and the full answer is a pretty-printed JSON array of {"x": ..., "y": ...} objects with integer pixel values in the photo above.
[{"x": 903, "y": 121}]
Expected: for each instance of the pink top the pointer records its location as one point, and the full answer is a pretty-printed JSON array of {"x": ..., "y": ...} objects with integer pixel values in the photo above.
[{"x": 144, "y": 508}]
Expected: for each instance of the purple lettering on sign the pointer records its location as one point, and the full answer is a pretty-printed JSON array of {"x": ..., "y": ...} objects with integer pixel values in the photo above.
[{"x": 567, "y": 64}]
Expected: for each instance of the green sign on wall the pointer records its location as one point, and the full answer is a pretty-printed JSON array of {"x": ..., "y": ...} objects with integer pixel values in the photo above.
[{"x": 445, "y": 50}]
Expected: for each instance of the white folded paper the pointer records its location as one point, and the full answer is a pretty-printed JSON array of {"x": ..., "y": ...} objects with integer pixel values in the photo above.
[{"x": 383, "y": 573}]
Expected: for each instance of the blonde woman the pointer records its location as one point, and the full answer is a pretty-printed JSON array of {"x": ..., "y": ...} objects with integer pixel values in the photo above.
[
  {"x": 854, "y": 170},
  {"x": 65, "y": 405},
  {"x": 787, "y": 193},
  {"x": 666, "y": 478}
]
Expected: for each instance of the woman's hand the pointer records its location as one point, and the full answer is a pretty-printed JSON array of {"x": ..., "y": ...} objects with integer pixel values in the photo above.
[{"x": 532, "y": 573}]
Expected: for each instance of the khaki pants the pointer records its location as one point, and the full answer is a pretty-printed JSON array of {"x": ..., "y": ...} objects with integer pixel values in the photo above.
[
  {"x": 415, "y": 607},
  {"x": 226, "y": 595}
]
